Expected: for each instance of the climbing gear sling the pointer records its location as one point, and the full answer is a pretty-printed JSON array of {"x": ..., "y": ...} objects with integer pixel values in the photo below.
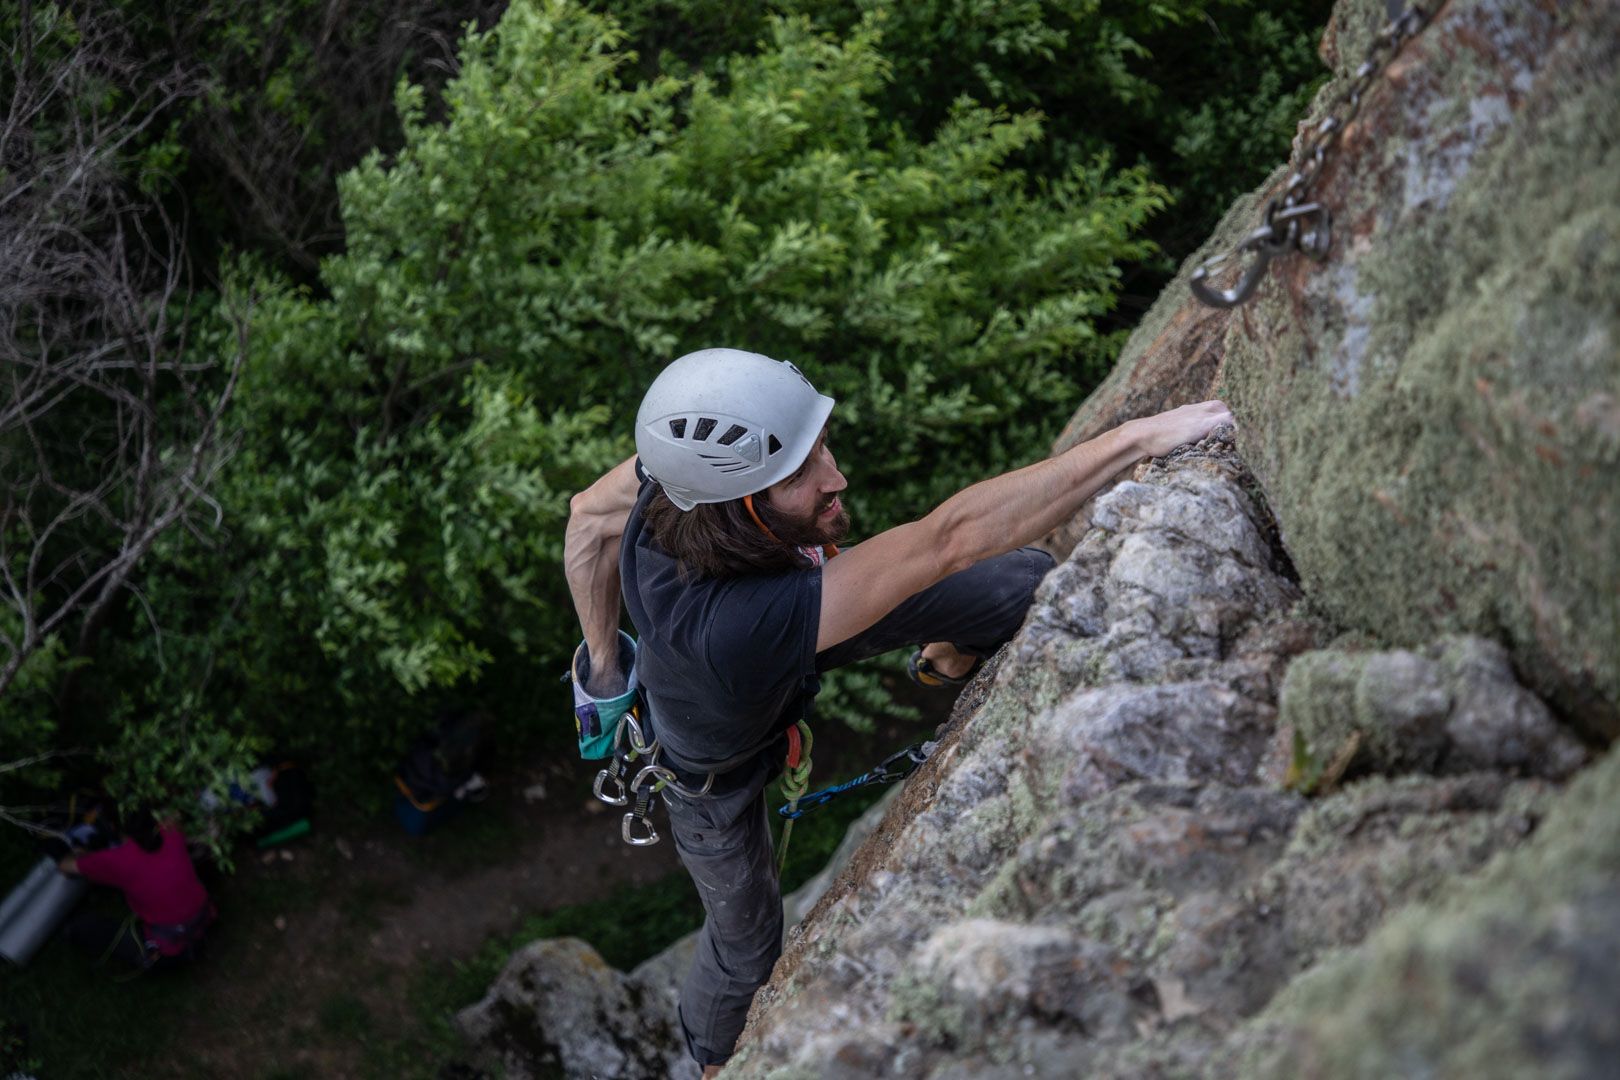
[
  {"x": 795, "y": 781},
  {"x": 1292, "y": 221},
  {"x": 896, "y": 766}
]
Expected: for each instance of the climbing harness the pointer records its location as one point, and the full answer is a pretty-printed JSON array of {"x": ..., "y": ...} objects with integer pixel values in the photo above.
[
  {"x": 1293, "y": 221},
  {"x": 896, "y": 766}
]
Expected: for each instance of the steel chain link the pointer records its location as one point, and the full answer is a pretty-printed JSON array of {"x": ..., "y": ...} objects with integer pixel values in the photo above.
[{"x": 1292, "y": 221}]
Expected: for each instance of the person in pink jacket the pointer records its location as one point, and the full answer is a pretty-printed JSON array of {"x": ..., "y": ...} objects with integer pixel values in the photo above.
[{"x": 170, "y": 908}]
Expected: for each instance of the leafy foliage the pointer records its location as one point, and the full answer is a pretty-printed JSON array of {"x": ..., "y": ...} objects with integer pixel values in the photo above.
[
  {"x": 1204, "y": 93},
  {"x": 536, "y": 235},
  {"x": 514, "y": 278}
]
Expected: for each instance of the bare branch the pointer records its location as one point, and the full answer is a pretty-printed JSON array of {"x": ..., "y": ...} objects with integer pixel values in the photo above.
[
  {"x": 111, "y": 431},
  {"x": 37, "y": 759}
]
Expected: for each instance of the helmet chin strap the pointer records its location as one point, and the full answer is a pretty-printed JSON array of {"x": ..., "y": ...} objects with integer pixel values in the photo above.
[
  {"x": 748, "y": 501},
  {"x": 816, "y": 555}
]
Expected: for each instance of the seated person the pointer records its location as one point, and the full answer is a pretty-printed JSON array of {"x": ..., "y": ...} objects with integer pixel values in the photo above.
[{"x": 171, "y": 909}]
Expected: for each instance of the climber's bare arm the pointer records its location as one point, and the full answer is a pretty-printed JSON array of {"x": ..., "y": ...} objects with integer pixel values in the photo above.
[
  {"x": 992, "y": 517},
  {"x": 596, "y": 521}
]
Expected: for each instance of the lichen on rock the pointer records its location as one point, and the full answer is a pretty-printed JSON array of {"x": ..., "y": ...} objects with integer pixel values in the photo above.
[
  {"x": 1433, "y": 413},
  {"x": 1453, "y": 707}
]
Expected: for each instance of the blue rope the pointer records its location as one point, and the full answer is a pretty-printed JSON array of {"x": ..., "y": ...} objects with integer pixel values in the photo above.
[{"x": 892, "y": 768}]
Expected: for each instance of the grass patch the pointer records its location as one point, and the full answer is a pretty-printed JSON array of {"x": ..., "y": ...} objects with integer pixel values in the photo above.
[
  {"x": 77, "y": 1020},
  {"x": 345, "y": 1016},
  {"x": 478, "y": 835}
]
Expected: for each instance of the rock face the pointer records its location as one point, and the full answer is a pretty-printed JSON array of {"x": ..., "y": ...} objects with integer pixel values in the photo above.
[
  {"x": 558, "y": 1009},
  {"x": 1098, "y": 873},
  {"x": 1434, "y": 412},
  {"x": 1276, "y": 781},
  {"x": 1299, "y": 765}
]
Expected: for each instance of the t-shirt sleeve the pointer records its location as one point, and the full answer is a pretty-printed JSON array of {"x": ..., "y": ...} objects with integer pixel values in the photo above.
[
  {"x": 762, "y": 635},
  {"x": 109, "y": 866}
]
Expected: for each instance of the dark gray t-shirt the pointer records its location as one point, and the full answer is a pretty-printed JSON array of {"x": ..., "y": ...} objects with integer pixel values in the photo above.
[{"x": 723, "y": 662}]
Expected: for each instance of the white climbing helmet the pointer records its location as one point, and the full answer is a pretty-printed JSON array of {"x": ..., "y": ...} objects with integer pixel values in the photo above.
[{"x": 719, "y": 424}]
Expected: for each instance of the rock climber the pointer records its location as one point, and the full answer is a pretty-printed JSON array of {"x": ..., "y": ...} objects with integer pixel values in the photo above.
[{"x": 719, "y": 536}]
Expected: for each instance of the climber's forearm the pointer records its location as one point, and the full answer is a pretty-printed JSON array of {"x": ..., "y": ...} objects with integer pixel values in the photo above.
[
  {"x": 596, "y": 522},
  {"x": 1016, "y": 508},
  {"x": 861, "y": 586},
  {"x": 1013, "y": 509}
]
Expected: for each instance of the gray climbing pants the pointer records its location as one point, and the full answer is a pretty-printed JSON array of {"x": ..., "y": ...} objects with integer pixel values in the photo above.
[{"x": 724, "y": 839}]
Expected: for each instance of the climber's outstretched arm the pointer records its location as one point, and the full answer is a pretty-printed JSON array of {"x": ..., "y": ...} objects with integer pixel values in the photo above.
[{"x": 991, "y": 517}]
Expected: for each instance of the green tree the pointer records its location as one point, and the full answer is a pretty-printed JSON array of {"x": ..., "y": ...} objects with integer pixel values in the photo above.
[{"x": 515, "y": 276}]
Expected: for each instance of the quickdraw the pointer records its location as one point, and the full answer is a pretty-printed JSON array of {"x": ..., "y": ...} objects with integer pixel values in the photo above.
[
  {"x": 630, "y": 745},
  {"x": 896, "y": 766}
]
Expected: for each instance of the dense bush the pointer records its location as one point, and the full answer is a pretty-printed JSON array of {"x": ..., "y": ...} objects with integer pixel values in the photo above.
[{"x": 1204, "y": 93}]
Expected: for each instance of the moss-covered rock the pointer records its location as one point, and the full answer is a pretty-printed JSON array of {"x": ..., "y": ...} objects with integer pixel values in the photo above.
[
  {"x": 1434, "y": 412},
  {"x": 1454, "y": 707},
  {"x": 1512, "y": 976}
]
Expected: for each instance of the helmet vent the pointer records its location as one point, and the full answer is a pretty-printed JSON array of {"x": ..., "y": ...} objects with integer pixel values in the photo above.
[
  {"x": 677, "y": 428},
  {"x": 733, "y": 433},
  {"x": 773, "y": 445},
  {"x": 705, "y": 425}
]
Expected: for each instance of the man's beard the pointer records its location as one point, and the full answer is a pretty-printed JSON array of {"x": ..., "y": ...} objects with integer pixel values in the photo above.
[{"x": 811, "y": 531}]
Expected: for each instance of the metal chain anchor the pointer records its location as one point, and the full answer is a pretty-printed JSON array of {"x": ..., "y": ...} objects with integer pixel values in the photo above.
[{"x": 1292, "y": 221}]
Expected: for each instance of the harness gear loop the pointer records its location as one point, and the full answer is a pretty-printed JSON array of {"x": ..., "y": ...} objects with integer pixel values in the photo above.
[{"x": 795, "y": 780}]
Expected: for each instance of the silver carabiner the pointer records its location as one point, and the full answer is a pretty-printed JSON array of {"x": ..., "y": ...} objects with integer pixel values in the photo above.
[
  {"x": 627, "y": 831},
  {"x": 1309, "y": 228},
  {"x": 667, "y": 778},
  {"x": 663, "y": 775},
  {"x": 637, "y": 736},
  {"x": 602, "y": 779},
  {"x": 1237, "y": 294}
]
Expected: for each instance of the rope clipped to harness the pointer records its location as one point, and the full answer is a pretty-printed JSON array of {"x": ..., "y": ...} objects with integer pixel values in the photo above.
[{"x": 795, "y": 780}]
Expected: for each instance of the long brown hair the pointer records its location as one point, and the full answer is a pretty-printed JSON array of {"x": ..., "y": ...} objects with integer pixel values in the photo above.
[{"x": 720, "y": 539}]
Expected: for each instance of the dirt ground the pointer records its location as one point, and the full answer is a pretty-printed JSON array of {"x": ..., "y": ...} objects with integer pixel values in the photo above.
[
  {"x": 344, "y": 954},
  {"x": 317, "y": 983}
]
